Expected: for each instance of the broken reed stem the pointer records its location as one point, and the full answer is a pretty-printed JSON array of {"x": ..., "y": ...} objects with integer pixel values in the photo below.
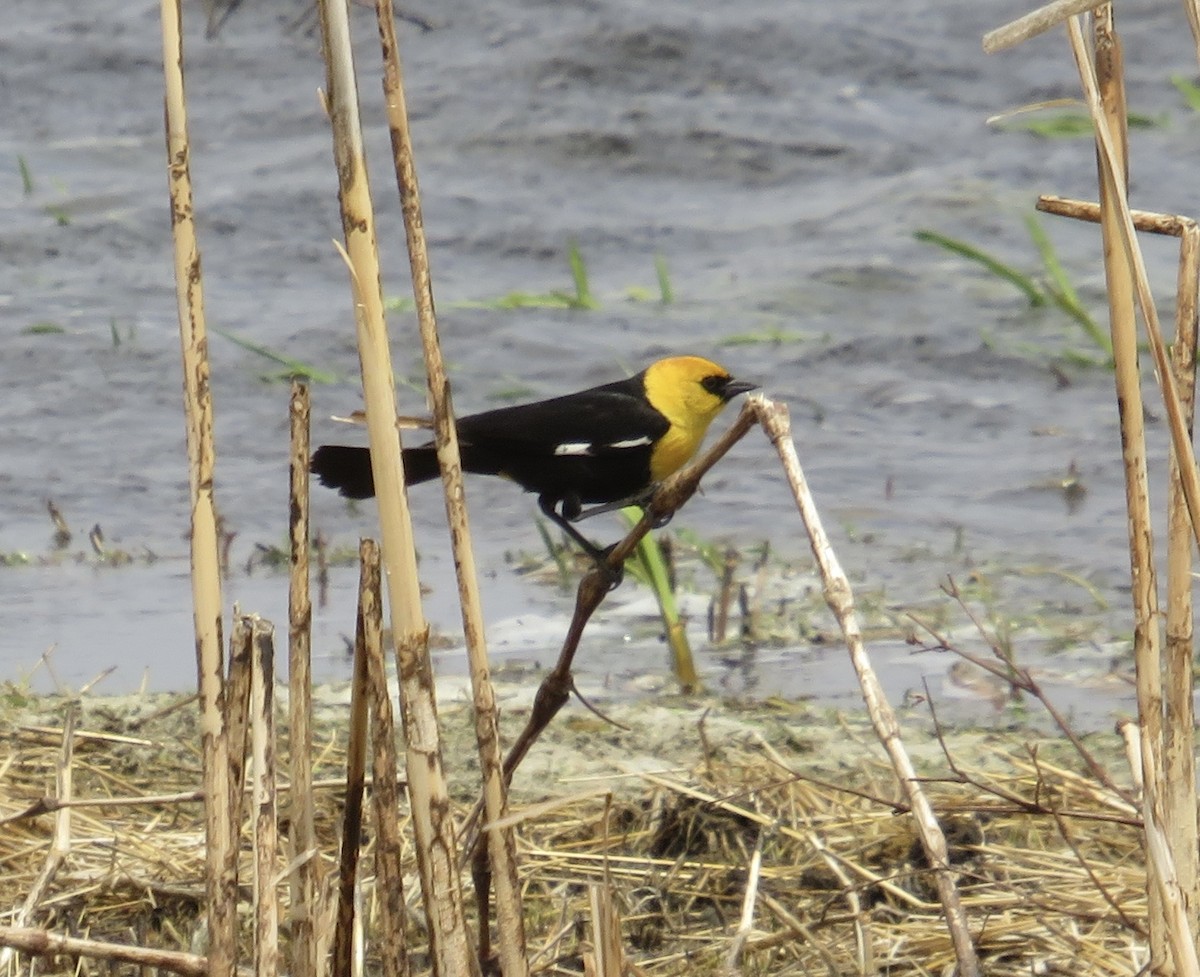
[
  {"x": 385, "y": 788},
  {"x": 1033, "y": 23},
  {"x": 433, "y": 827},
  {"x": 237, "y": 712},
  {"x": 40, "y": 943},
  {"x": 510, "y": 925},
  {"x": 302, "y": 833},
  {"x": 1171, "y": 225},
  {"x": 356, "y": 771},
  {"x": 1178, "y": 680},
  {"x": 776, "y": 424},
  {"x": 220, "y": 871},
  {"x": 266, "y": 826}
]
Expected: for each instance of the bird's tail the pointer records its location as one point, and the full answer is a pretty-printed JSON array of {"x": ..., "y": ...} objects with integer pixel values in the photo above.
[{"x": 348, "y": 469}]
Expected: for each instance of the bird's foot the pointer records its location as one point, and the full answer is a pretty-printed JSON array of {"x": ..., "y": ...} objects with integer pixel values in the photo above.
[{"x": 615, "y": 573}]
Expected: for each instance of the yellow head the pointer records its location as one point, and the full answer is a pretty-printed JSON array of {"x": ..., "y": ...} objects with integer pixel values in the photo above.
[{"x": 689, "y": 391}]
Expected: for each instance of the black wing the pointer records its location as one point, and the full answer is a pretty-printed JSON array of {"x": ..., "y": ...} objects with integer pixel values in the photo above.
[{"x": 613, "y": 417}]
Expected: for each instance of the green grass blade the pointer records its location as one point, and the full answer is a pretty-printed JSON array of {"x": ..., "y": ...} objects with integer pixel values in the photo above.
[
  {"x": 26, "y": 176},
  {"x": 583, "y": 293},
  {"x": 1062, "y": 291},
  {"x": 650, "y": 556},
  {"x": 292, "y": 368},
  {"x": 1189, "y": 90},
  {"x": 665, "y": 292},
  {"x": 994, "y": 265}
]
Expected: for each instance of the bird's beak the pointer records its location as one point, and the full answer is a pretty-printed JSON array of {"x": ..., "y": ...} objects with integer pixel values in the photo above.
[{"x": 735, "y": 387}]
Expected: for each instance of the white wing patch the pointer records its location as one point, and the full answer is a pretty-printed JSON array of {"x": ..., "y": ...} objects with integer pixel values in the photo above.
[
  {"x": 631, "y": 443},
  {"x": 589, "y": 448}
]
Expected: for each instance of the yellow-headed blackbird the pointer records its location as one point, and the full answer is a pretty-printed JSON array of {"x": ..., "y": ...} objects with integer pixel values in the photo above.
[{"x": 609, "y": 445}]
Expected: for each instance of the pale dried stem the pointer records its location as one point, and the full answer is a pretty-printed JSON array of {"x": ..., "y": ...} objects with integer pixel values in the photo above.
[
  {"x": 1179, "y": 684},
  {"x": 266, "y": 826},
  {"x": 302, "y": 834},
  {"x": 433, "y": 827},
  {"x": 776, "y": 424},
  {"x": 385, "y": 788},
  {"x": 510, "y": 925},
  {"x": 39, "y": 943},
  {"x": 220, "y": 872}
]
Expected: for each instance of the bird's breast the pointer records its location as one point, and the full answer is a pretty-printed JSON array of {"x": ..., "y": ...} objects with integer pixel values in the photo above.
[{"x": 673, "y": 450}]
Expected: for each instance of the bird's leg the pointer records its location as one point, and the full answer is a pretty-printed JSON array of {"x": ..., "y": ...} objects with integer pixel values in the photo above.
[
  {"x": 640, "y": 499},
  {"x": 571, "y": 509}
]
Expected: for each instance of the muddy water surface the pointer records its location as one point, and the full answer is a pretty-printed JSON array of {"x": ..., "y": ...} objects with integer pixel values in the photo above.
[{"x": 778, "y": 155}]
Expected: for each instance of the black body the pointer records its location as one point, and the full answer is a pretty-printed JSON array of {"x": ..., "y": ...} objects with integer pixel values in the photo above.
[{"x": 531, "y": 444}]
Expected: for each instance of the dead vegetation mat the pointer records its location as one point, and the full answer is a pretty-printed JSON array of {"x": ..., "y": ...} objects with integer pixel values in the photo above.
[{"x": 669, "y": 813}]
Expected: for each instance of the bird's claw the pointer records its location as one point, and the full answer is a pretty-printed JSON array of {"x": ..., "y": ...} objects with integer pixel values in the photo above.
[{"x": 615, "y": 573}]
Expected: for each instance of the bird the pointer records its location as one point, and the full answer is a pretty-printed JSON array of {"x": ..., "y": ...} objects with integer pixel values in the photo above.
[{"x": 607, "y": 446}]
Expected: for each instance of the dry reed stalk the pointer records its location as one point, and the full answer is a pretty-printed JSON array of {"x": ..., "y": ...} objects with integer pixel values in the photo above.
[
  {"x": 777, "y": 426},
  {"x": 39, "y": 943},
  {"x": 385, "y": 789},
  {"x": 206, "y": 581},
  {"x": 266, "y": 826},
  {"x": 510, "y": 927},
  {"x": 356, "y": 771},
  {"x": 441, "y": 886},
  {"x": 1104, "y": 90},
  {"x": 302, "y": 834},
  {"x": 1179, "y": 682}
]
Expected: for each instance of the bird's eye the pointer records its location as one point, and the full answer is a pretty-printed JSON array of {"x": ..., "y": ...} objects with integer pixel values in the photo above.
[{"x": 715, "y": 384}]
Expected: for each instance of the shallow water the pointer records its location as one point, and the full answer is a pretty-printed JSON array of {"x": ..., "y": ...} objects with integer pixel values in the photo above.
[{"x": 779, "y": 156}]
